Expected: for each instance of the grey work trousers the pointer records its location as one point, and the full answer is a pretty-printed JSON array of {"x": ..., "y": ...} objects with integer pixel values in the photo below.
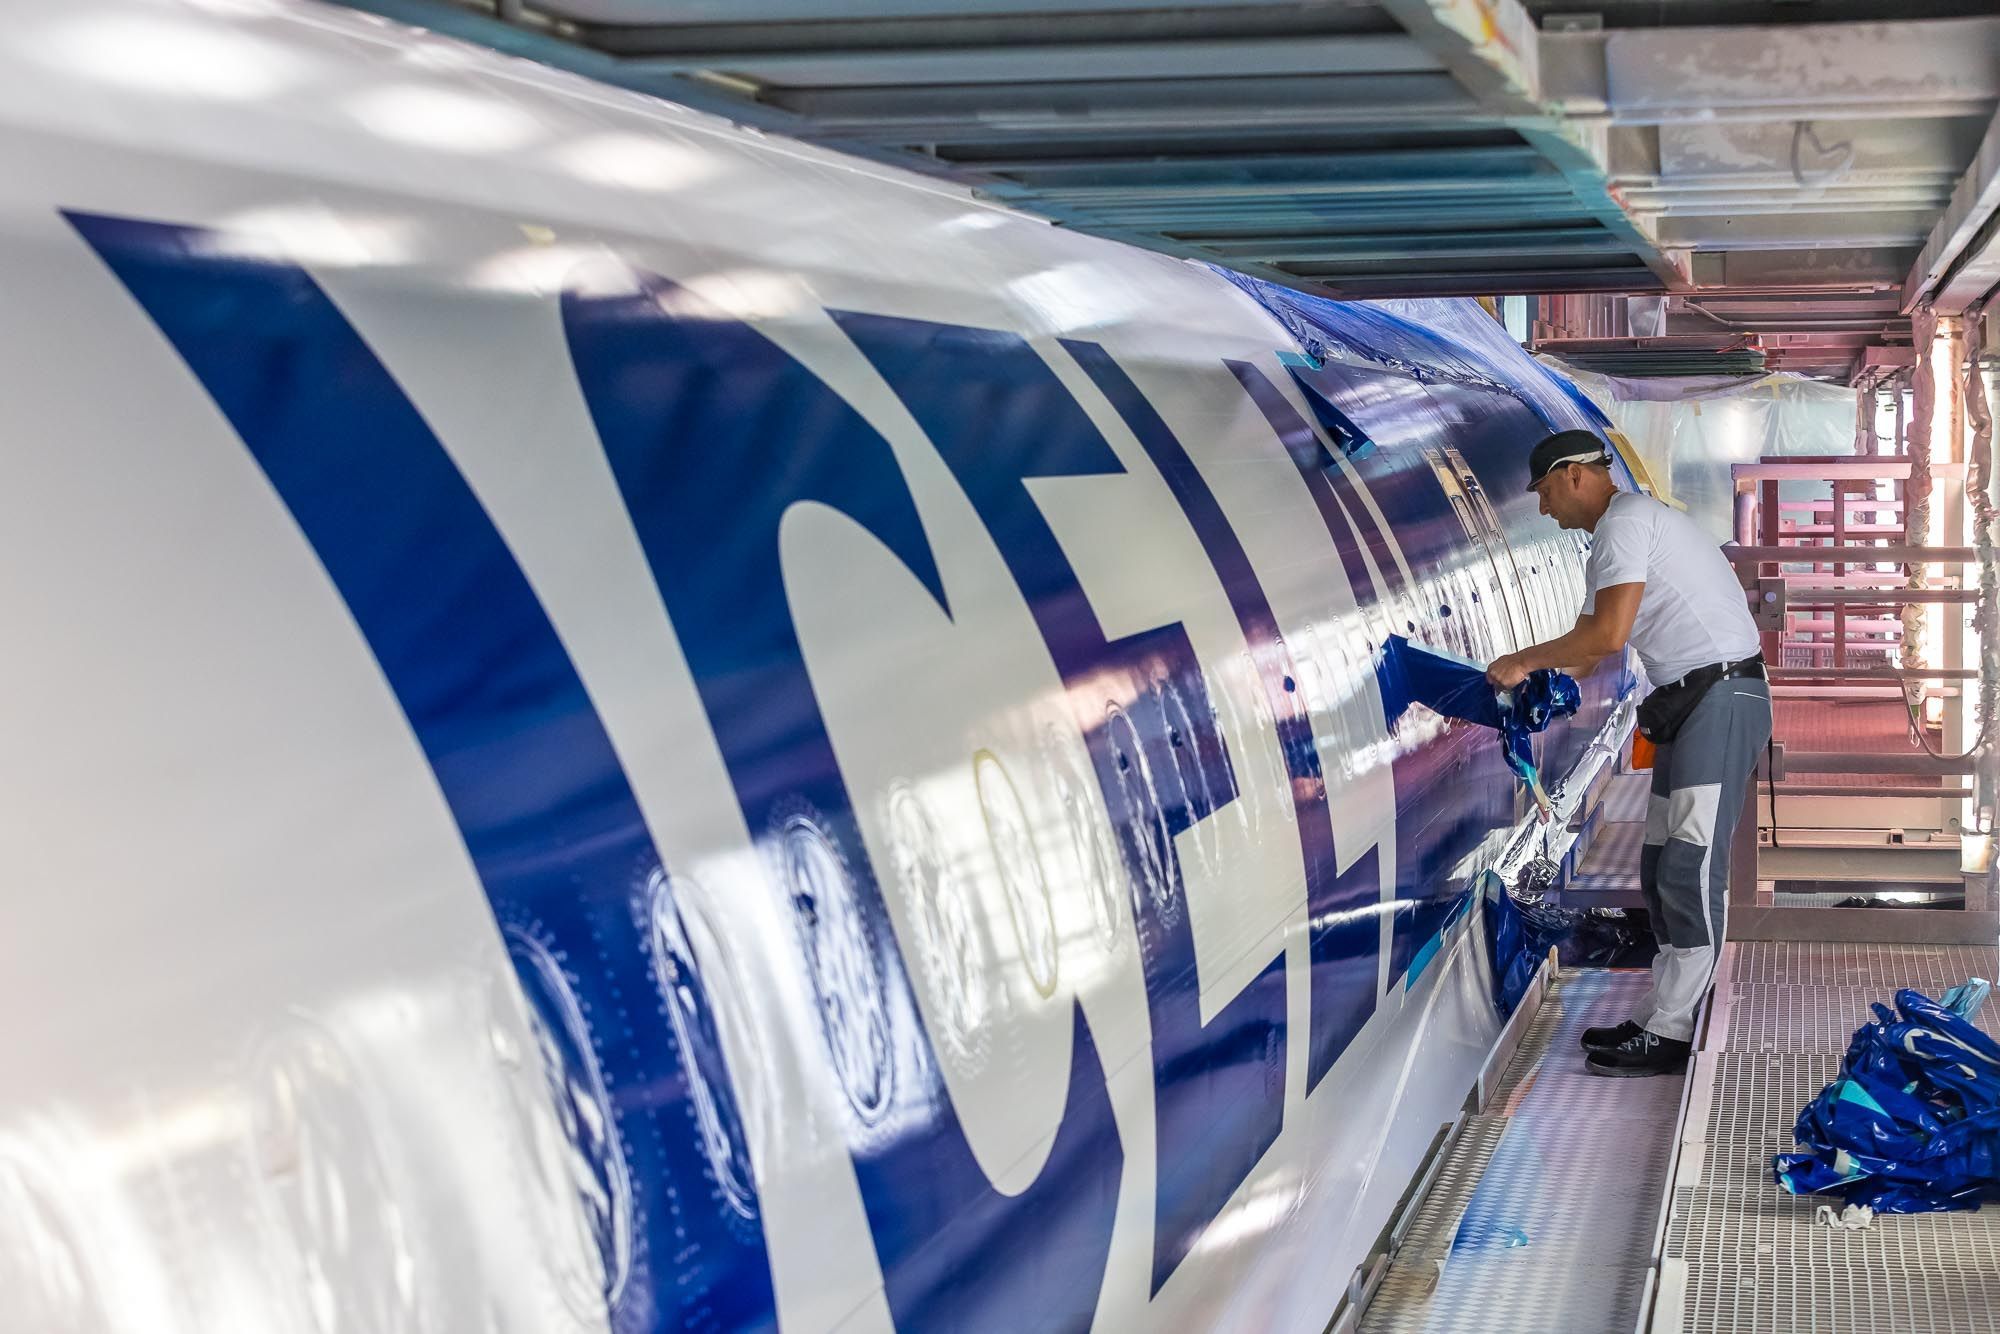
[{"x": 1698, "y": 783}]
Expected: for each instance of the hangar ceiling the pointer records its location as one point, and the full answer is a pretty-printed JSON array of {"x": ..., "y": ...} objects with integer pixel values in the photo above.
[{"x": 1785, "y": 169}]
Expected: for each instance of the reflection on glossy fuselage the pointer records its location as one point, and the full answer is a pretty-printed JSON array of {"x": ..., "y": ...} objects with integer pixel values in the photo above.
[{"x": 925, "y": 831}]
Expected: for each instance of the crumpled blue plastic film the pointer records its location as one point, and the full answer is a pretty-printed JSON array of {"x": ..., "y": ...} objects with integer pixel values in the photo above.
[
  {"x": 1450, "y": 685},
  {"x": 1523, "y": 926},
  {"x": 1912, "y": 1122}
]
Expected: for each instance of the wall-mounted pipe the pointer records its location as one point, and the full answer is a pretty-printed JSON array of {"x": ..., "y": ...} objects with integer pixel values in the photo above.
[
  {"x": 1986, "y": 618},
  {"x": 1917, "y": 487}
]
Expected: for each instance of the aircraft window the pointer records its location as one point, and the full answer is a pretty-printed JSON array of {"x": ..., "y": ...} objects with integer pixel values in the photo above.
[{"x": 1010, "y": 836}]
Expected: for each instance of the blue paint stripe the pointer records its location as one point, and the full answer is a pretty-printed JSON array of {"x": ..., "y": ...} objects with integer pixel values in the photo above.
[{"x": 518, "y": 751}]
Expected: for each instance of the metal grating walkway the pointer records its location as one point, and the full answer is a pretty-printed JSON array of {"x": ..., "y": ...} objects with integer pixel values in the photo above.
[
  {"x": 1543, "y": 1217},
  {"x": 1742, "y": 1256}
]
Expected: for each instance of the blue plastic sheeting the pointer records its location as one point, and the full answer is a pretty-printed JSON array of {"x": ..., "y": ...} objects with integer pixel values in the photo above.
[
  {"x": 1912, "y": 1125},
  {"x": 1518, "y": 947},
  {"x": 1522, "y": 927},
  {"x": 1449, "y": 345},
  {"x": 1456, "y": 688}
]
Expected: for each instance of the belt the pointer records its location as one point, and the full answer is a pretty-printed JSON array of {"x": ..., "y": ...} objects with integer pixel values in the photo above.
[{"x": 1722, "y": 671}]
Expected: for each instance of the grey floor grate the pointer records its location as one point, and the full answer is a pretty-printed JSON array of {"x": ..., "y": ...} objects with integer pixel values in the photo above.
[
  {"x": 1792, "y": 996},
  {"x": 1756, "y": 1100},
  {"x": 1766, "y": 1298},
  {"x": 1755, "y": 1260},
  {"x": 1792, "y": 1018},
  {"x": 1717, "y": 1228},
  {"x": 1877, "y": 969}
]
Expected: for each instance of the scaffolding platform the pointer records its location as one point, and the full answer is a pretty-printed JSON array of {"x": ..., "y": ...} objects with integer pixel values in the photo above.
[
  {"x": 1544, "y": 1214},
  {"x": 1740, "y": 1254},
  {"x": 1574, "y": 1204}
]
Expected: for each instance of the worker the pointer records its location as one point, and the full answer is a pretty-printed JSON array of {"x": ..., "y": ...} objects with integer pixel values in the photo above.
[{"x": 1655, "y": 580}]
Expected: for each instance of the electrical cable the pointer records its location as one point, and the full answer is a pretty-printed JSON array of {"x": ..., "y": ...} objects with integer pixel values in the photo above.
[
  {"x": 1983, "y": 515},
  {"x": 1771, "y": 777}
]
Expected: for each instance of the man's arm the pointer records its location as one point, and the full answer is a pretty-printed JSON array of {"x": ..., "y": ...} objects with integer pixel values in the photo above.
[{"x": 1595, "y": 635}]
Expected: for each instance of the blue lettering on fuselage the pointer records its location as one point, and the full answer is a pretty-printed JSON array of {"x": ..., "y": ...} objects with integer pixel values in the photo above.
[
  {"x": 1427, "y": 840},
  {"x": 690, "y": 412},
  {"x": 1000, "y": 417},
  {"x": 518, "y": 750},
  {"x": 713, "y": 433},
  {"x": 1343, "y": 934}
]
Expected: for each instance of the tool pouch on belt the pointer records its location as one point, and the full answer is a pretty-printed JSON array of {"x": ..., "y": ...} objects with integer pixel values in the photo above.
[{"x": 1667, "y": 709}]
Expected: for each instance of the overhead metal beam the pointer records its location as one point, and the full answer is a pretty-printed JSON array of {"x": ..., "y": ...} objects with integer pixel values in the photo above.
[
  {"x": 1805, "y": 305},
  {"x": 1778, "y": 153},
  {"x": 1579, "y": 151},
  {"x": 1857, "y": 226},
  {"x": 1490, "y": 46},
  {"x": 1954, "y": 793},
  {"x": 1495, "y": 189},
  {"x": 723, "y": 27},
  {"x": 1304, "y": 227},
  {"x": 1831, "y": 269},
  {"x": 976, "y": 147},
  {"x": 1935, "y": 68},
  {"x": 1767, "y": 201},
  {"x": 1524, "y": 270},
  {"x": 1466, "y": 244},
  {"x": 1655, "y": 209},
  {"x": 1494, "y": 51},
  {"x": 1765, "y": 184},
  {"x": 1799, "y": 332},
  {"x": 1207, "y": 222},
  {"x": 1481, "y": 162},
  {"x": 1651, "y": 13},
  {"x": 1110, "y": 57},
  {"x": 1960, "y": 261},
  {"x": 932, "y": 113},
  {"x": 1506, "y": 282},
  {"x": 1307, "y": 209}
]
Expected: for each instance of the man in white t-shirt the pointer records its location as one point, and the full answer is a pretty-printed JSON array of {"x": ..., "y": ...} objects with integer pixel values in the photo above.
[{"x": 1655, "y": 580}]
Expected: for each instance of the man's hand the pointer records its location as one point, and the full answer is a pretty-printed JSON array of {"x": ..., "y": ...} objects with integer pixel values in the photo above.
[{"x": 1595, "y": 635}]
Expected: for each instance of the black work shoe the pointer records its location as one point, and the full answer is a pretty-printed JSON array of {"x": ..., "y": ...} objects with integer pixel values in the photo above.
[
  {"x": 1642, "y": 1054},
  {"x": 1604, "y": 1039}
]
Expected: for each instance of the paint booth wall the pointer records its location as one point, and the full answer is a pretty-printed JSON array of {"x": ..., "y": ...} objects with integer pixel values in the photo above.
[{"x": 1689, "y": 430}]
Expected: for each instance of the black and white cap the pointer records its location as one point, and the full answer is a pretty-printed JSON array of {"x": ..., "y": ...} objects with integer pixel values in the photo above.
[{"x": 1565, "y": 447}]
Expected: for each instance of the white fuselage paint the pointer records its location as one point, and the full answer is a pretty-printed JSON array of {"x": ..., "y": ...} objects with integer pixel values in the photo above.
[{"x": 245, "y": 951}]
